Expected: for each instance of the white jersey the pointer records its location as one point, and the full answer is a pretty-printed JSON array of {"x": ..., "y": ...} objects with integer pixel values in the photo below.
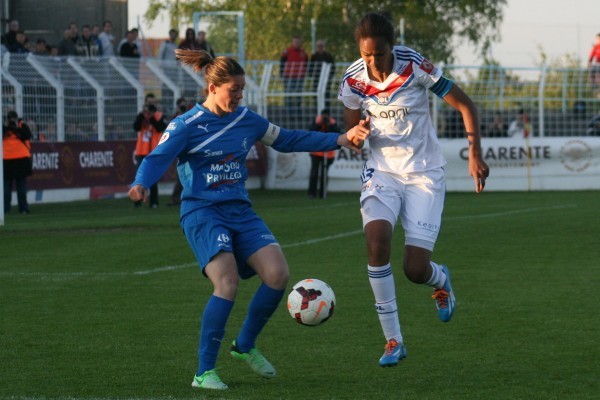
[{"x": 402, "y": 138}]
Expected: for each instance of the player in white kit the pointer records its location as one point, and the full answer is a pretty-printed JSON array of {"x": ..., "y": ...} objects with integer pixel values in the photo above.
[{"x": 403, "y": 176}]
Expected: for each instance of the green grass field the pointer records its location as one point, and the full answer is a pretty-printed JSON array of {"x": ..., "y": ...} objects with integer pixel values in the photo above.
[{"x": 99, "y": 300}]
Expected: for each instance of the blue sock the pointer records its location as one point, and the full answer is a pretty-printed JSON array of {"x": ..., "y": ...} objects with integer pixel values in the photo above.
[
  {"x": 263, "y": 305},
  {"x": 212, "y": 331}
]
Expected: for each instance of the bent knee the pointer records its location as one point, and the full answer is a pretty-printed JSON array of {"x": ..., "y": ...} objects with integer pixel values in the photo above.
[
  {"x": 227, "y": 286},
  {"x": 278, "y": 278}
]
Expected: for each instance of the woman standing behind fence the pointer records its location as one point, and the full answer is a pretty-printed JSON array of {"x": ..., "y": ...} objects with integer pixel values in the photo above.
[
  {"x": 229, "y": 239},
  {"x": 403, "y": 176}
]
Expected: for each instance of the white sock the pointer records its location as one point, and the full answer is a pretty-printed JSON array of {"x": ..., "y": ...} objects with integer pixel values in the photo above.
[
  {"x": 382, "y": 283},
  {"x": 438, "y": 277}
]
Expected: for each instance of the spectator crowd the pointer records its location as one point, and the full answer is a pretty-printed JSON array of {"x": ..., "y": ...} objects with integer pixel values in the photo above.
[
  {"x": 91, "y": 41},
  {"x": 95, "y": 41}
]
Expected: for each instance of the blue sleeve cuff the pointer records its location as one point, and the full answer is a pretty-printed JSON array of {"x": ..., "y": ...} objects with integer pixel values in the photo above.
[{"x": 442, "y": 87}]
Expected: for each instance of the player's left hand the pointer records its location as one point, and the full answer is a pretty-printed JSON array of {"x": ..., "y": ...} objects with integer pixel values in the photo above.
[{"x": 479, "y": 170}]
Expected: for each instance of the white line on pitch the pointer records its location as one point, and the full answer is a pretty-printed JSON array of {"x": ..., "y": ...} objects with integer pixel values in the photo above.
[
  {"x": 323, "y": 239},
  {"x": 283, "y": 246},
  {"x": 489, "y": 215},
  {"x": 511, "y": 212},
  {"x": 99, "y": 274}
]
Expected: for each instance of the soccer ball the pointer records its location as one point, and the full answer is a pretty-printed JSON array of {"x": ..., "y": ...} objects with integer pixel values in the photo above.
[{"x": 311, "y": 302}]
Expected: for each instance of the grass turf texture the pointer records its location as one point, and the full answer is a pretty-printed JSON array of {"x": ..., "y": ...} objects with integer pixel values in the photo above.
[{"x": 100, "y": 300}]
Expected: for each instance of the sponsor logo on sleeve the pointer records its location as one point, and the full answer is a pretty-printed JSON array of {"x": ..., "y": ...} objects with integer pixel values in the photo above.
[
  {"x": 171, "y": 126},
  {"x": 426, "y": 66},
  {"x": 164, "y": 138}
]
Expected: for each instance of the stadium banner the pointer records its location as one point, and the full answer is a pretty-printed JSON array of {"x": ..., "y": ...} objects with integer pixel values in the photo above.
[
  {"x": 565, "y": 163},
  {"x": 102, "y": 164},
  {"x": 81, "y": 164}
]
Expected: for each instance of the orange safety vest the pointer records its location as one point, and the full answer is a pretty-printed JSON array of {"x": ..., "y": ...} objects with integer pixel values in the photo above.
[
  {"x": 148, "y": 137},
  {"x": 14, "y": 147},
  {"x": 327, "y": 154}
]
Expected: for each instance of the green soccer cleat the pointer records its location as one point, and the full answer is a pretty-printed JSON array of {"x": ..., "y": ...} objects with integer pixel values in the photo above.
[
  {"x": 209, "y": 380},
  {"x": 257, "y": 362}
]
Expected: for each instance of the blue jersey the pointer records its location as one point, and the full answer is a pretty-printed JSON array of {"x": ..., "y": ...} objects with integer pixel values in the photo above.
[{"x": 212, "y": 153}]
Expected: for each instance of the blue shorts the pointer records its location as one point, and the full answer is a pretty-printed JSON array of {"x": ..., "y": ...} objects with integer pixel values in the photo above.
[{"x": 230, "y": 227}]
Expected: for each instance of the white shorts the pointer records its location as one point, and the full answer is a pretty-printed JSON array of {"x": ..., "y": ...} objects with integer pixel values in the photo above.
[{"x": 416, "y": 198}]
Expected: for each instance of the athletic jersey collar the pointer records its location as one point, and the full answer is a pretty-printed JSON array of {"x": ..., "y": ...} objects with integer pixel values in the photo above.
[
  {"x": 234, "y": 114},
  {"x": 391, "y": 77}
]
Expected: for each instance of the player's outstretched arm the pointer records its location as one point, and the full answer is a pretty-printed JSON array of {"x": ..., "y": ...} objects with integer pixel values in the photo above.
[
  {"x": 478, "y": 169},
  {"x": 137, "y": 193}
]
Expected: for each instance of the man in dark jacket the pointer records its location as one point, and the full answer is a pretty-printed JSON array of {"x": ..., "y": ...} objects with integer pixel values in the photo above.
[{"x": 16, "y": 157}]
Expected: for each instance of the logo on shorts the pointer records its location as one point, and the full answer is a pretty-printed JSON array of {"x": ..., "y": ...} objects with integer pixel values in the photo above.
[
  {"x": 223, "y": 239},
  {"x": 367, "y": 173},
  {"x": 428, "y": 226}
]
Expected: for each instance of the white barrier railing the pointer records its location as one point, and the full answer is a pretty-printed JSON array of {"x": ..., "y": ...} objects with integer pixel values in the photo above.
[{"x": 63, "y": 99}]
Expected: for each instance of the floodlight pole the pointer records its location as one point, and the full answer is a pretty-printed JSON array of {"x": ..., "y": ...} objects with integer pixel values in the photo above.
[
  {"x": 401, "y": 30},
  {"x": 313, "y": 35}
]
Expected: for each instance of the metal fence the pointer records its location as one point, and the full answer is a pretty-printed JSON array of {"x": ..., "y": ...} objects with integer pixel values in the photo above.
[{"x": 79, "y": 99}]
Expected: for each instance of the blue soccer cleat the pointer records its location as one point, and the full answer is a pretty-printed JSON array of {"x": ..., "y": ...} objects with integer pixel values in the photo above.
[
  {"x": 444, "y": 298},
  {"x": 394, "y": 352}
]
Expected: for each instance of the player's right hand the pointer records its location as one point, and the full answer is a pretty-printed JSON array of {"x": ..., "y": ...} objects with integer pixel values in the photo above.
[
  {"x": 138, "y": 193},
  {"x": 360, "y": 132}
]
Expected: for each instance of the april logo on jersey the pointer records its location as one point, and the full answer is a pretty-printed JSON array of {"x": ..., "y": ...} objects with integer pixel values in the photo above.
[
  {"x": 164, "y": 138},
  {"x": 245, "y": 144},
  {"x": 172, "y": 126},
  {"x": 205, "y": 127},
  {"x": 223, "y": 239},
  {"x": 389, "y": 113}
]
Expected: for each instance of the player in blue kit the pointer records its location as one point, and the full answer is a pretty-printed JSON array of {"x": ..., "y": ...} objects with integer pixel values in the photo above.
[
  {"x": 403, "y": 178},
  {"x": 229, "y": 240}
]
